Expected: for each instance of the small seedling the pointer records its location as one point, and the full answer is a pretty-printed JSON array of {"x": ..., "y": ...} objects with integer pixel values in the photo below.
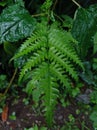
[
  {"x": 25, "y": 101},
  {"x": 12, "y": 116}
]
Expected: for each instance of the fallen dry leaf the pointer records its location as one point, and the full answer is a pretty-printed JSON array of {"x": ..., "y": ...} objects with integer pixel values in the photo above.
[{"x": 4, "y": 114}]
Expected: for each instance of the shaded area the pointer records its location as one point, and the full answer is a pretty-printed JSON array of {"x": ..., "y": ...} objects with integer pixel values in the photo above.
[{"x": 27, "y": 116}]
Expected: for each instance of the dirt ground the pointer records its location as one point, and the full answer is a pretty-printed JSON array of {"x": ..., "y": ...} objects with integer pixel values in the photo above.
[{"x": 26, "y": 116}]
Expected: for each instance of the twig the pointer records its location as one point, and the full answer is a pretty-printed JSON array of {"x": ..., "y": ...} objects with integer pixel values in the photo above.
[
  {"x": 58, "y": 17},
  {"x": 54, "y": 5},
  {"x": 76, "y": 3},
  {"x": 10, "y": 83},
  {"x": 37, "y": 15}
]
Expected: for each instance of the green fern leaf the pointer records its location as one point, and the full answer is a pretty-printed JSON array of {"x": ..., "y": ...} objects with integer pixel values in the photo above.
[{"x": 51, "y": 58}]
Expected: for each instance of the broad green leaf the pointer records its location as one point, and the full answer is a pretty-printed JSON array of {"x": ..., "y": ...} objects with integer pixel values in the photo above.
[
  {"x": 84, "y": 28},
  {"x": 87, "y": 76},
  {"x": 15, "y": 23}
]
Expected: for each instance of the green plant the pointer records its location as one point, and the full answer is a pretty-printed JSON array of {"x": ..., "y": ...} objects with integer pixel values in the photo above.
[
  {"x": 70, "y": 125},
  {"x": 12, "y": 116},
  {"x": 93, "y": 97},
  {"x": 84, "y": 28},
  {"x": 3, "y": 85},
  {"x": 6, "y": 2},
  {"x": 50, "y": 60},
  {"x": 36, "y": 128},
  {"x": 3, "y": 82},
  {"x": 16, "y": 23},
  {"x": 26, "y": 101},
  {"x": 95, "y": 60},
  {"x": 93, "y": 117}
]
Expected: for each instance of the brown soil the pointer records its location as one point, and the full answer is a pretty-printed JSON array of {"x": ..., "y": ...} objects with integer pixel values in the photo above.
[{"x": 26, "y": 116}]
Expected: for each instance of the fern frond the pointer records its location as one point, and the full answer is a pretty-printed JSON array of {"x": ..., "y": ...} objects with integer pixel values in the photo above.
[
  {"x": 27, "y": 47},
  {"x": 58, "y": 72},
  {"x": 51, "y": 59},
  {"x": 64, "y": 63},
  {"x": 51, "y": 94},
  {"x": 37, "y": 58},
  {"x": 62, "y": 41}
]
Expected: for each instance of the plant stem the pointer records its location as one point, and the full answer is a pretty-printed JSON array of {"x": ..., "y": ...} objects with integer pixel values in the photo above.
[
  {"x": 10, "y": 83},
  {"x": 37, "y": 15},
  {"x": 76, "y": 3},
  {"x": 58, "y": 17},
  {"x": 54, "y": 5}
]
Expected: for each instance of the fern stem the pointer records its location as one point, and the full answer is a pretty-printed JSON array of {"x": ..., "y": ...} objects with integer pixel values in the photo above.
[{"x": 48, "y": 93}]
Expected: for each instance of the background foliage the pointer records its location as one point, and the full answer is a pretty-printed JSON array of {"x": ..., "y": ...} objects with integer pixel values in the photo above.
[{"x": 60, "y": 53}]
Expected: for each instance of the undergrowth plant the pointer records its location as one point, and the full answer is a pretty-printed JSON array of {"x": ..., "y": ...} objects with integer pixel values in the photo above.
[{"x": 50, "y": 60}]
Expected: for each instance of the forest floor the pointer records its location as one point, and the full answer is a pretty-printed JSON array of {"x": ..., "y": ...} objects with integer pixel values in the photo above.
[{"x": 22, "y": 116}]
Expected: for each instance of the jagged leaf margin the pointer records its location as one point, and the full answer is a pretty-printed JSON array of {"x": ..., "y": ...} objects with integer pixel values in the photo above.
[{"x": 50, "y": 58}]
